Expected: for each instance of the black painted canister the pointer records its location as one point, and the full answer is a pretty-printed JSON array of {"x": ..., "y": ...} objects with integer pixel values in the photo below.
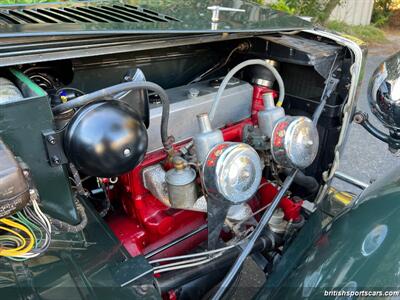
[{"x": 106, "y": 139}]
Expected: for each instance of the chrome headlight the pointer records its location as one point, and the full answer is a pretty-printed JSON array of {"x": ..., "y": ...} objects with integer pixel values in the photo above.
[
  {"x": 232, "y": 171},
  {"x": 294, "y": 142}
]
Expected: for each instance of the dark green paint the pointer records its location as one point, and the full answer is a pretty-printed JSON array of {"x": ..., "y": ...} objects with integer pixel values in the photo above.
[
  {"x": 85, "y": 265},
  {"x": 21, "y": 126},
  {"x": 336, "y": 259},
  {"x": 193, "y": 15}
]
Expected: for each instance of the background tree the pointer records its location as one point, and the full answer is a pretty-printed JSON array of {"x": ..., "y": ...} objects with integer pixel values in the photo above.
[
  {"x": 382, "y": 12},
  {"x": 320, "y": 10}
]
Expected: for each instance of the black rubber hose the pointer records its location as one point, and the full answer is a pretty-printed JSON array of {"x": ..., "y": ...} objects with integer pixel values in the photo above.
[
  {"x": 201, "y": 287},
  {"x": 126, "y": 86},
  {"x": 307, "y": 182},
  {"x": 221, "y": 264}
]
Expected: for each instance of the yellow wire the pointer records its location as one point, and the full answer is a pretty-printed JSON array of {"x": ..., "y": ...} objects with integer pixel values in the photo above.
[
  {"x": 22, "y": 228},
  {"x": 21, "y": 249}
]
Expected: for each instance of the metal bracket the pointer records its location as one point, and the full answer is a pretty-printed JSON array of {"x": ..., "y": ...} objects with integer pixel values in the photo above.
[
  {"x": 53, "y": 142},
  {"x": 217, "y": 210},
  {"x": 392, "y": 139}
]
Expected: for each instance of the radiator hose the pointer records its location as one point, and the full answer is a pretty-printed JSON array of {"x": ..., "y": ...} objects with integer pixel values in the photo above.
[{"x": 126, "y": 86}]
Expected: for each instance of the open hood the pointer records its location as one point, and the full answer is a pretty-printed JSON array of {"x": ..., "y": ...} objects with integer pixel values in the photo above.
[{"x": 142, "y": 16}]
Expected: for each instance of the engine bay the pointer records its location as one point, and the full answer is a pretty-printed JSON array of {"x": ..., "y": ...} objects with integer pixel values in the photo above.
[{"x": 183, "y": 150}]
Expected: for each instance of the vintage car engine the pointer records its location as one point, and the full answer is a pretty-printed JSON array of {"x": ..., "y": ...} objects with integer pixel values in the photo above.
[
  {"x": 163, "y": 196},
  {"x": 204, "y": 172},
  {"x": 172, "y": 162}
]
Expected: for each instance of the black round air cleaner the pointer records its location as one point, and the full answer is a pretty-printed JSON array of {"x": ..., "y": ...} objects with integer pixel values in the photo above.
[{"x": 105, "y": 139}]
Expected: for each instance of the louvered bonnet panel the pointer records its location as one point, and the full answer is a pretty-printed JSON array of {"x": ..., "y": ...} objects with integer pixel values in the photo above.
[{"x": 101, "y": 13}]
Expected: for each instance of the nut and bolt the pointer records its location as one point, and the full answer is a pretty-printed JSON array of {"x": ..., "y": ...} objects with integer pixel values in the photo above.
[
  {"x": 51, "y": 139},
  {"x": 359, "y": 118}
]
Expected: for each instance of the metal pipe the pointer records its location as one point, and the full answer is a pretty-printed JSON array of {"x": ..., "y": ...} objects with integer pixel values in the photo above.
[
  {"x": 204, "y": 122},
  {"x": 174, "y": 280},
  {"x": 176, "y": 241},
  {"x": 350, "y": 179},
  {"x": 255, "y": 235}
]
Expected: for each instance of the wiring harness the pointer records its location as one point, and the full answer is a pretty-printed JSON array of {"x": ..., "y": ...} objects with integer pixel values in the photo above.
[{"x": 26, "y": 234}]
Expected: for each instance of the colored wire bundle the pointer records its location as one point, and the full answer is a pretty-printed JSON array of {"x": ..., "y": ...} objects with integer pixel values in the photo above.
[{"x": 27, "y": 234}]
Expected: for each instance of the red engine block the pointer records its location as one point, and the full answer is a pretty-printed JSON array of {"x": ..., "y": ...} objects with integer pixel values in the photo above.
[{"x": 149, "y": 224}]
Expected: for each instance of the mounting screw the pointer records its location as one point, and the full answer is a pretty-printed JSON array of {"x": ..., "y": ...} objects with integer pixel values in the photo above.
[
  {"x": 51, "y": 139},
  {"x": 56, "y": 160}
]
